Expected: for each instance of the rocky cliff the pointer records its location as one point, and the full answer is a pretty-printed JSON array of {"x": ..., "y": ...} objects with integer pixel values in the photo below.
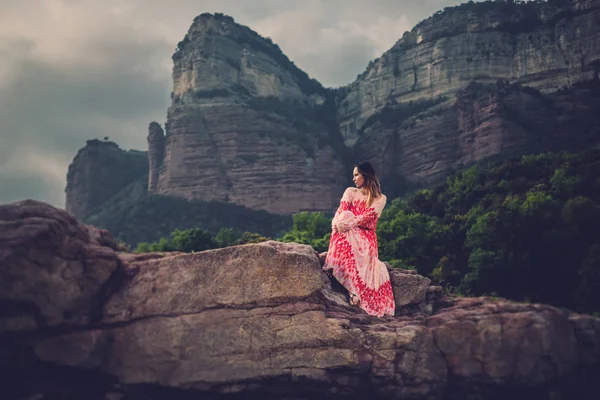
[
  {"x": 156, "y": 154},
  {"x": 99, "y": 170},
  {"x": 412, "y": 113},
  {"x": 246, "y": 125},
  {"x": 481, "y": 80},
  {"x": 83, "y": 320},
  {"x": 421, "y": 143},
  {"x": 544, "y": 45}
]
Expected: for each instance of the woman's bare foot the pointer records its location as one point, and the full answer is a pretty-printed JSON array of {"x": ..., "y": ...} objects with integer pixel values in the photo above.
[{"x": 354, "y": 300}]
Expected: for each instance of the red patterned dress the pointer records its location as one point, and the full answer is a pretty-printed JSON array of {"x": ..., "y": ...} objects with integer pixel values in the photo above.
[{"x": 353, "y": 253}]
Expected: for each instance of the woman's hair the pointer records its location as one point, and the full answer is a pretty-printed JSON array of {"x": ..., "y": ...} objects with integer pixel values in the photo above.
[{"x": 371, "y": 182}]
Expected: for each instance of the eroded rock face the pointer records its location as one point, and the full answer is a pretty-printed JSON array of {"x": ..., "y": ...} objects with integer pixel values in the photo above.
[
  {"x": 247, "y": 126},
  {"x": 422, "y": 144},
  {"x": 53, "y": 270},
  {"x": 156, "y": 154},
  {"x": 412, "y": 113},
  {"x": 263, "y": 320},
  {"x": 99, "y": 170},
  {"x": 544, "y": 46}
]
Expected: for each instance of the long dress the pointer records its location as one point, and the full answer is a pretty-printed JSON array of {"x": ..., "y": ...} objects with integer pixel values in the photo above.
[{"x": 353, "y": 253}]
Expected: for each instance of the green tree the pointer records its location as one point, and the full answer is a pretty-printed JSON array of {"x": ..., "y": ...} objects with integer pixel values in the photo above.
[
  {"x": 142, "y": 247},
  {"x": 412, "y": 240},
  {"x": 565, "y": 181},
  {"x": 312, "y": 228},
  {"x": 226, "y": 237},
  {"x": 581, "y": 214},
  {"x": 162, "y": 245},
  {"x": 587, "y": 292},
  {"x": 250, "y": 237},
  {"x": 189, "y": 240}
]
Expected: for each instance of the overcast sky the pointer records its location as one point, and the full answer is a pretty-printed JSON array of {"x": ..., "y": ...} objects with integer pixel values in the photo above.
[{"x": 73, "y": 70}]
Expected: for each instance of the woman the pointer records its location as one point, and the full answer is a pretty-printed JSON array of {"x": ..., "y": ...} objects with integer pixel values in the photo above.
[{"x": 353, "y": 254}]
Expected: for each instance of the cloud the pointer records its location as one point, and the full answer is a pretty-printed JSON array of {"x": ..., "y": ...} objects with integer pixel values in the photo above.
[
  {"x": 72, "y": 70},
  {"x": 49, "y": 111}
]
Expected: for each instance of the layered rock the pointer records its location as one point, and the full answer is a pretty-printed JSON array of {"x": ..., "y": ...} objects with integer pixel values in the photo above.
[
  {"x": 156, "y": 154},
  {"x": 541, "y": 45},
  {"x": 99, "y": 170},
  {"x": 53, "y": 270},
  {"x": 422, "y": 143},
  {"x": 259, "y": 320},
  {"x": 410, "y": 113},
  {"x": 246, "y": 125}
]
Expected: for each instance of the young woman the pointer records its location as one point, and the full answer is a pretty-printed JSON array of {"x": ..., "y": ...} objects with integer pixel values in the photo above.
[{"x": 353, "y": 254}]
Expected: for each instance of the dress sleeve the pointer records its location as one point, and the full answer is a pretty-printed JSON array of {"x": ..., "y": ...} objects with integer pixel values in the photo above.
[
  {"x": 345, "y": 205},
  {"x": 365, "y": 218}
]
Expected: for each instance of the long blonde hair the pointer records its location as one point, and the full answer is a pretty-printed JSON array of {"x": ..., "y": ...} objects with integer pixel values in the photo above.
[{"x": 371, "y": 181}]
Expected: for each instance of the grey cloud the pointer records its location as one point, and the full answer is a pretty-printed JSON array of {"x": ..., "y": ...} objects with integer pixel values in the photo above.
[
  {"x": 29, "y": 186},
  {"x": 338, "y": 67},
  {"x": 49, "y": 113}
]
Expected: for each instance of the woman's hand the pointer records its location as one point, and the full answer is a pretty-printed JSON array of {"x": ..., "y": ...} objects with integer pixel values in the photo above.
[{"x": 342, "y": 229}]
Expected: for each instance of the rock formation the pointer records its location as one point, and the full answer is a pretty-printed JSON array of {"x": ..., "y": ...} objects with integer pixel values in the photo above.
[
  {"x": 156, "y": 154},
  {"x": 245, "y": 126},
  {"x": 412, "y": 113},
  {"x": 99, "y": 171},
  {"x": 420, "y": 144},
  {"x": 481, "y": 80},
  {"x": 540, "y": 45},
  {"x": 81, "y": 319}
]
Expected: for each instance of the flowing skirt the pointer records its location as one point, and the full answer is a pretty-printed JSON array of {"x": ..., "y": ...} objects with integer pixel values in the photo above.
[{"x": 353, "y": 259}]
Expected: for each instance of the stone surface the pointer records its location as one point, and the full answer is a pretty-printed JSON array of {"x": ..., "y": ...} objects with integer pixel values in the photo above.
[
  {"x": 262, "y": 320},
  {"x": 156, "y": 154},
  {"x": 246, "y": 125},
  {"x": 480, "y": 121},
  {"x": 543, "y": 46},
  {"x": 53, "y": 270},
  {"x": 99, "y": 170},
  {"x": 409, "y": 288}
]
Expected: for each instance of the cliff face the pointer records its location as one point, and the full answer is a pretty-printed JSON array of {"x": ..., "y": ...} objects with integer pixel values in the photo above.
[
  {"x": 414, "y": 114},
  {"x": 156, "y": 154},
  {"x": 99, "y": 170},
  {"x": 410, "y": 113},
  {"x": 543, "y": 46},
  {"x": 422, "y": 143},
  {"x": 247, "y": 126}
]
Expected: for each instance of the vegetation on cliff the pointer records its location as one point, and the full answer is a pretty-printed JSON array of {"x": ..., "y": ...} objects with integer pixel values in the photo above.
[
  {"x": 134, "y": 216},
  {"x": 312, "y": 228},
  {"x": 198, "y": 239}
]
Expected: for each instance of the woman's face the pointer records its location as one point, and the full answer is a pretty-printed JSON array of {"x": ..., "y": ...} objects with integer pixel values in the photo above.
[{"x": 358, "y": 178}]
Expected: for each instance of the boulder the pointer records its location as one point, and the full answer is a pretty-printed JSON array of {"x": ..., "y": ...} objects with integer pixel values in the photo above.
[{"x": 257, "y": 320}]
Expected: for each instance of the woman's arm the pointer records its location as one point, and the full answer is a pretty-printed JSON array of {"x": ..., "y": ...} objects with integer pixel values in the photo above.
[
  {"x": 345, "y": 205},
  {"x": 365, "y": 218}
]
